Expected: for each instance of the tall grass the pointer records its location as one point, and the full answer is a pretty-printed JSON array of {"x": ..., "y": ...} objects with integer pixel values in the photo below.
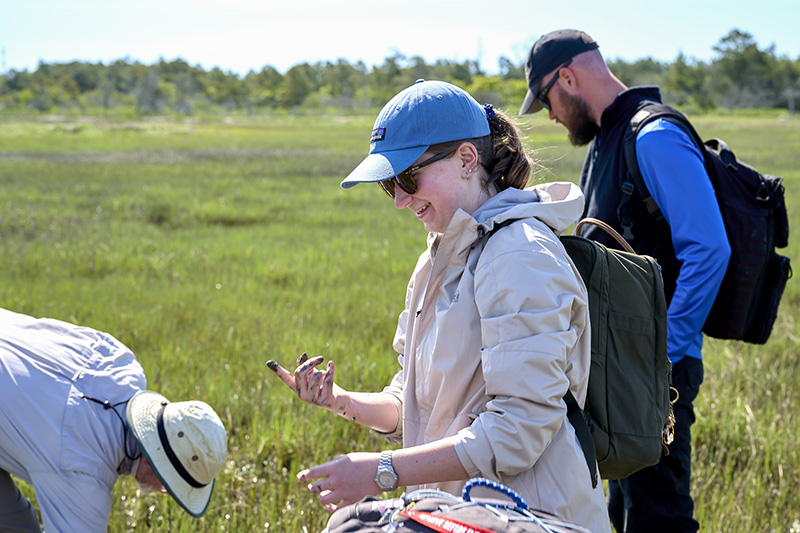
[{"x": 211, "y": 246}]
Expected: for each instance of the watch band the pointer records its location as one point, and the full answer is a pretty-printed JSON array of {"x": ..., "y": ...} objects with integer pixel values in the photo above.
[{"x": 386, "y": 477}]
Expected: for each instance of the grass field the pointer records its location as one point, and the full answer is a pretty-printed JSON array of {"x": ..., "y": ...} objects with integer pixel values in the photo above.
[{"x": 210, "y": 246}]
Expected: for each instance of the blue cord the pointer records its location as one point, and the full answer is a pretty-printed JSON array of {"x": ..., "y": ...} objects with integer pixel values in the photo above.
[{"x": 488, "y": 483}]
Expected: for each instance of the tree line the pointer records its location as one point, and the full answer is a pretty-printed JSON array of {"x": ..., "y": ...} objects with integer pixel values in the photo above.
[{"x": 741, "y": 75}]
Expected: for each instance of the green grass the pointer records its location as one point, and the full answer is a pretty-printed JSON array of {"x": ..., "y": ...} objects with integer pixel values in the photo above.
[{"x": 210, "y": 246}]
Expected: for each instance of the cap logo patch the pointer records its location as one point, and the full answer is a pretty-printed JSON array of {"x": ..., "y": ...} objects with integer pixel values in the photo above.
[{"x": 378, "y": 134}]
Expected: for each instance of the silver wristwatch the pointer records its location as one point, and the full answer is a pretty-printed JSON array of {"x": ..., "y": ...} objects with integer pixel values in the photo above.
[{"x": 386, "y": 478}]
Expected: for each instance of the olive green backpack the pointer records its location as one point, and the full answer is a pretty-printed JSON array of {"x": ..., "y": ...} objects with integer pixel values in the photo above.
[{"x": 627, "y": 419}]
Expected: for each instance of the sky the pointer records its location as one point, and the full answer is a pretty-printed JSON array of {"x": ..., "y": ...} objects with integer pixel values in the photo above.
[{"x": 244, "y": 35}]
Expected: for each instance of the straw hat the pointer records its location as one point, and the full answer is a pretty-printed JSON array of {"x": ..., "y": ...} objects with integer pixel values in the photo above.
[{"x": 184, "y": 442}]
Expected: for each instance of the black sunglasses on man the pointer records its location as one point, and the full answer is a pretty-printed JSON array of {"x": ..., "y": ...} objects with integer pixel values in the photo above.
[{"x": 542, "y": 96}]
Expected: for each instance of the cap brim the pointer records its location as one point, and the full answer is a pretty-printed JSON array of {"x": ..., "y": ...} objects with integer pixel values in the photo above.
[
  {"x": 530, "y": 104},
  {"x": 383, "y": 165},
  {"x": 142, "y": 413}
]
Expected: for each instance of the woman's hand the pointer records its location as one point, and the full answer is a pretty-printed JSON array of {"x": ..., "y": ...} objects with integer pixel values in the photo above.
[
  {"x": 373, "y": 410},
  {"x": 344, "y": 480},
  {"x": 312, "y": 385}
]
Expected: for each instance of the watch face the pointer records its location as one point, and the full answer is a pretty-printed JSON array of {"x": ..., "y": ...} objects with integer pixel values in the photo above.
[{"x": 386, "y": 480}]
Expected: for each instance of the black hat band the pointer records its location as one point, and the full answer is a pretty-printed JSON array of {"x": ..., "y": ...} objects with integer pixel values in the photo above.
[{"x": 173, "y": 459}]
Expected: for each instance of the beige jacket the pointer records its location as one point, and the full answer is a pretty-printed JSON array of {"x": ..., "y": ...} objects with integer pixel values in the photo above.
[{"x": 494, "y": 332}]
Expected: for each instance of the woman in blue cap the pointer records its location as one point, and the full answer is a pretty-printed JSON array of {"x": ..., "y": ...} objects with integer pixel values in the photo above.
[{"x": 495, "y": 328}]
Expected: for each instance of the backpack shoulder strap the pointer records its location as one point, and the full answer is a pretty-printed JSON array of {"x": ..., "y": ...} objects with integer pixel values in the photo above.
[
  {"x": 634, "y": 180},
  {"x": 583, "y": 433}
]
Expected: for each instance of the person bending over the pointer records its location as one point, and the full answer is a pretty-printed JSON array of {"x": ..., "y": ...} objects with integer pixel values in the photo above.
[{"x": 75, "y": 414}]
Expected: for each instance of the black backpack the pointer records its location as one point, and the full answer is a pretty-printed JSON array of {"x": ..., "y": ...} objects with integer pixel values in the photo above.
[
  {"x": 627, "y": 419},
  {"x": 429, "y": 511},
  {"x": 754, "y": 214}
]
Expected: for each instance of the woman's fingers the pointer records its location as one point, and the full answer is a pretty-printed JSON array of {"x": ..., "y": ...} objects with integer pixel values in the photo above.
[
  {"x": 308, "y": 364},
  {"x": 329, "y": 376},
  {"x": 307, "y": 378},
  {"x": 311, "y": 385},
  {"x": 282, "y": 373},
  {"x": 342, "y": 481}
]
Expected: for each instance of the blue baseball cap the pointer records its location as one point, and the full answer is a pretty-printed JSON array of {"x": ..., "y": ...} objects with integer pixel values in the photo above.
[{"x": 427, "y": 113}]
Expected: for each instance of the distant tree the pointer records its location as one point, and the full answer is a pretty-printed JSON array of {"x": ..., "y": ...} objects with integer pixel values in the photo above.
[
  {"x": 510, "y": 70},
  {"x": 262, "y": 87},
  {"x": 148, "y": 95},
  {"x": 387, "y": 79},
  {"x": 106, "y": 89},
  {"x": 742, "y": 73},
  {"x": 487, "y": 90},
  {"x": 792, "y": 92},
  {"x": 79, "y": 77},
  {"x": 418, "y": 69},
  {"x": 686, "y": 83},
  {"x": 42, "y": 99},
  {"x": 224, "y": 88},
  {"x": 17, "y": 80},
  {"x": 297, "y": 84},
  {"x": 645, "y": 71},
  {"x": 123, "y": 75},
  {"x": 459, "y": 73},
  {"x": 338, "y": 82}
]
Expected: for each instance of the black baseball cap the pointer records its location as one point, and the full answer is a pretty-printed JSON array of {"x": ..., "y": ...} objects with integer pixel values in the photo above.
[{"x": 548, "y": 53}]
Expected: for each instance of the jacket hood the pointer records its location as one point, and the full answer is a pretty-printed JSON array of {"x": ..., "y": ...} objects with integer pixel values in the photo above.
[{"x": 557, "y": 204}]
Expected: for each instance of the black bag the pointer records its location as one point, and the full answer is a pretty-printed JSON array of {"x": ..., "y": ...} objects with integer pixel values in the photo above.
[
  {"x": 754, "y": 213},
  {"x": 428, "y": 511}
]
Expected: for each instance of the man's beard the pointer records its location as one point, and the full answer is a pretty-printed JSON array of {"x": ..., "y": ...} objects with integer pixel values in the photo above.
[{"x": 581, "y": 129}]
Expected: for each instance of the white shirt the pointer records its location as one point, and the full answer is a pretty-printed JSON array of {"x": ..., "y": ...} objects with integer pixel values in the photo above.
[{"x": 67, "y": 447}]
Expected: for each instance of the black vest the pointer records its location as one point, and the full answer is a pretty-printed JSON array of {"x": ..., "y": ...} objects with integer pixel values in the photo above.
[{"x": 604, "y": 172}]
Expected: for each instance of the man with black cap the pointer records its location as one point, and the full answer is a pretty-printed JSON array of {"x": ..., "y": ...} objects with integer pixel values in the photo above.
[
  {"x": 567, "y": 75},
  {"x": 75, "y": 415}
]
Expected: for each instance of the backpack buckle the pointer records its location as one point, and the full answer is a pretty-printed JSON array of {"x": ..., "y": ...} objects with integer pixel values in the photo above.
[
  {"x": 763, "y": 191},
  {"x": 627, "y": 188},
  {"x": 627, "y": 231}
]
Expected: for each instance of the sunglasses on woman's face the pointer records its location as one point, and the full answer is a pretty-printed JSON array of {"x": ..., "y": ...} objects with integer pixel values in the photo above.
[{"x": 405, "y": 180}]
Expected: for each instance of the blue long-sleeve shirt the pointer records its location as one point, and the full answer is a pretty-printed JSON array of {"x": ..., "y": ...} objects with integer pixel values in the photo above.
[{"x": 673, "y": 170}]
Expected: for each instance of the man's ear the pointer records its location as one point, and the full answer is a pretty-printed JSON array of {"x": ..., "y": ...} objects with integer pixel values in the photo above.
[{"x": 568, "y": 81}]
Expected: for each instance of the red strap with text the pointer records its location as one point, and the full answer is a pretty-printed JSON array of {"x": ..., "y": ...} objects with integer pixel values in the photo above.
[{"x": 443, "y": 524}]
